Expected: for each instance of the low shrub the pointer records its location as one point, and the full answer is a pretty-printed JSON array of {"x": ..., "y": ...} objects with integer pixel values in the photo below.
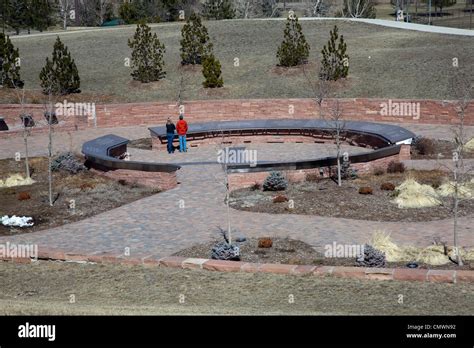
[
  {"x": 395, "y": 167},
  {"x": 347, "y": 172},
  {"x": 86, "y": 186},
  {"x": 366, "y": 190},
  {"x": 256, "y": 187},
  {"x": 23, "y": 196},
  {"x": 424, "y": 146},
  {"x": 68, "y": 162},
  {"x": 387, "y": 186},
  {"x": 280, "y": 199},
  {"x": 275, "y": 182},
  {"x": 379, "y": 171},
  {"x": 436, "y": 182},
  {"x": 371, "y": 257},
  {"x": 265, "y": 242}
]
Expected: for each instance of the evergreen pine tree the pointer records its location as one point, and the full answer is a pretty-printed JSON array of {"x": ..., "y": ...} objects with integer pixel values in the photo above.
[
  {"x": 60, "y": 75},
  {"x": 9, "y": 59},
  {"x": 147, "y": 55},
  {"x": 41, "y": 13},
  {"x": 294, "y": 49},
  {"x": 195, "y": 41},
  {"x": 129, "y": 12},
  {"x": 335, "y": 61},
  {"x": 211, "y": 69},
  {"x": 218, "y": 9},
  {"x": 18, "y": 14}
]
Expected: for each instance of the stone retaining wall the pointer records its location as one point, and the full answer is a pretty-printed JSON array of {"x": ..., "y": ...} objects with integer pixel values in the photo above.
[
  {"x": 245, "y": 180},
  {"x": 156, "y": 113},
  {"x": 159, "y": 180},
  {"x": 362, "y": 273}
]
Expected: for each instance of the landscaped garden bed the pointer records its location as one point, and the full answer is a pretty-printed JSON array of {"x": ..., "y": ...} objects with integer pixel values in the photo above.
[
  {"x": 91, "y": 194},
  {"x": 427, "y": 148},
  {"x": 296, "y": 252},
  {"x": 324, "y": 197}
]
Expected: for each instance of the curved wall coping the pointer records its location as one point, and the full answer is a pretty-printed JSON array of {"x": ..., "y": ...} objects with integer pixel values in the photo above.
[{"x": 391, "y": 134}]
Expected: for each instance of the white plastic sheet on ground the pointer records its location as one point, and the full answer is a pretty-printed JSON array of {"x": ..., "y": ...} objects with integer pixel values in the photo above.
[{"x": 17, "y": 221}]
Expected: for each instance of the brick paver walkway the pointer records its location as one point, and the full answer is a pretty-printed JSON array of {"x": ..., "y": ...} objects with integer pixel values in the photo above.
[{"x": 157, "y": 225}]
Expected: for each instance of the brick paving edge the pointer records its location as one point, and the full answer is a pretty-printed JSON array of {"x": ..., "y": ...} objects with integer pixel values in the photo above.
[{"x": 399, "y": 274}]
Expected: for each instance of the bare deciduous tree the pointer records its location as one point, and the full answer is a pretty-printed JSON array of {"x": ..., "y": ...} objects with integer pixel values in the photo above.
[
  {"x": 461, "y": 172},
  {"x": 321, "y": 89},
  {"x": 65, "y": 6},
  {"x": 243, "y": 8},
  {"x": 317, "y": 8},
  {"x": 49, "y": 112},
  {"x": 255, "y": 8},
  {"x": 337, "y": 126},
  {"x": 20, "y": 93},
  {"x": 103, "y": 6},
  {"x": 358, "y": 9},
  {"x": 225, "y": 181}
]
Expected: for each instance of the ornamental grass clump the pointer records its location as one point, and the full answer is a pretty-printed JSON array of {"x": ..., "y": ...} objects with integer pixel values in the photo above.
[{"x": 411, "y": 194}]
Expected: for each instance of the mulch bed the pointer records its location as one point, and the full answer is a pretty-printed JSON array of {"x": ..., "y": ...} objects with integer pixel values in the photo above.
[
  {"x": 92, "y": 194},
  {"x": 143, "y": 144},
  {"x": 293, "y": 252},
  {"x": 325, "y": 198},
  {"x": 441, "y": 149}
]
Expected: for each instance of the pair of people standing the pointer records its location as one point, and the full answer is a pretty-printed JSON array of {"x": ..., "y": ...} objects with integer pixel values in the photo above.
[{"x": 181, "y": 128}]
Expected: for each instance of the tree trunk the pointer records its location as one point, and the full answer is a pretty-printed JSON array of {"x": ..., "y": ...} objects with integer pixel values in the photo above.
[
  {"x": 229, "y": 231},
  {"x": 456, "y": 208},
  {"x": 27, "y": 164},
  {"x": 338, "y": 146},
  {"x": 50, "y": 155}
]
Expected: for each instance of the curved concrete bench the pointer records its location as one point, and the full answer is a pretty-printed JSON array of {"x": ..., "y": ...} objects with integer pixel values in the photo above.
[
  {"x": 377, "y": 135},
  {"x": 311, "y": 164},
  {"x": 103, "y": 151}
]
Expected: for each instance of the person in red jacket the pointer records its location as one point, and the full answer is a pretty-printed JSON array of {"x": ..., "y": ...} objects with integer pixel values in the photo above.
[{"x": 182, "y": 129}]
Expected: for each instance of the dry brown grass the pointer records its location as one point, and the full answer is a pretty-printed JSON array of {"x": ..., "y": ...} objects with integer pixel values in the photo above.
[
  {"x": 100, "y": 60},
  {"x": 43, "y": 288}
]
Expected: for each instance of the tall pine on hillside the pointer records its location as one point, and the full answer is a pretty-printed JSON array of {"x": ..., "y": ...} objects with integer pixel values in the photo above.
[
  {"x": 9, "y": 63},
  {"x": 218, "y": 9},
  {"x": 41, "y": 14},
  {"x": 195, "y": 43},
  {"x": 59, "y": 76},
  {"x": 18, "y": 14},
  {"x": 335, "y": 61},
  {"x": 147, "y": 55},
  {"x": 294, "y": 49},
  {"x": 211, "y": 69}
]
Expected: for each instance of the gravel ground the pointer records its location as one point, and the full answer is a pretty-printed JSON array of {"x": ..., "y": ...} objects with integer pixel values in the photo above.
[{"x": 46, "y": 288}]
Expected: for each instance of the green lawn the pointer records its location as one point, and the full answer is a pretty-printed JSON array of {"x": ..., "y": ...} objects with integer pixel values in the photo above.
[{"x": 384, "y": 62}]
